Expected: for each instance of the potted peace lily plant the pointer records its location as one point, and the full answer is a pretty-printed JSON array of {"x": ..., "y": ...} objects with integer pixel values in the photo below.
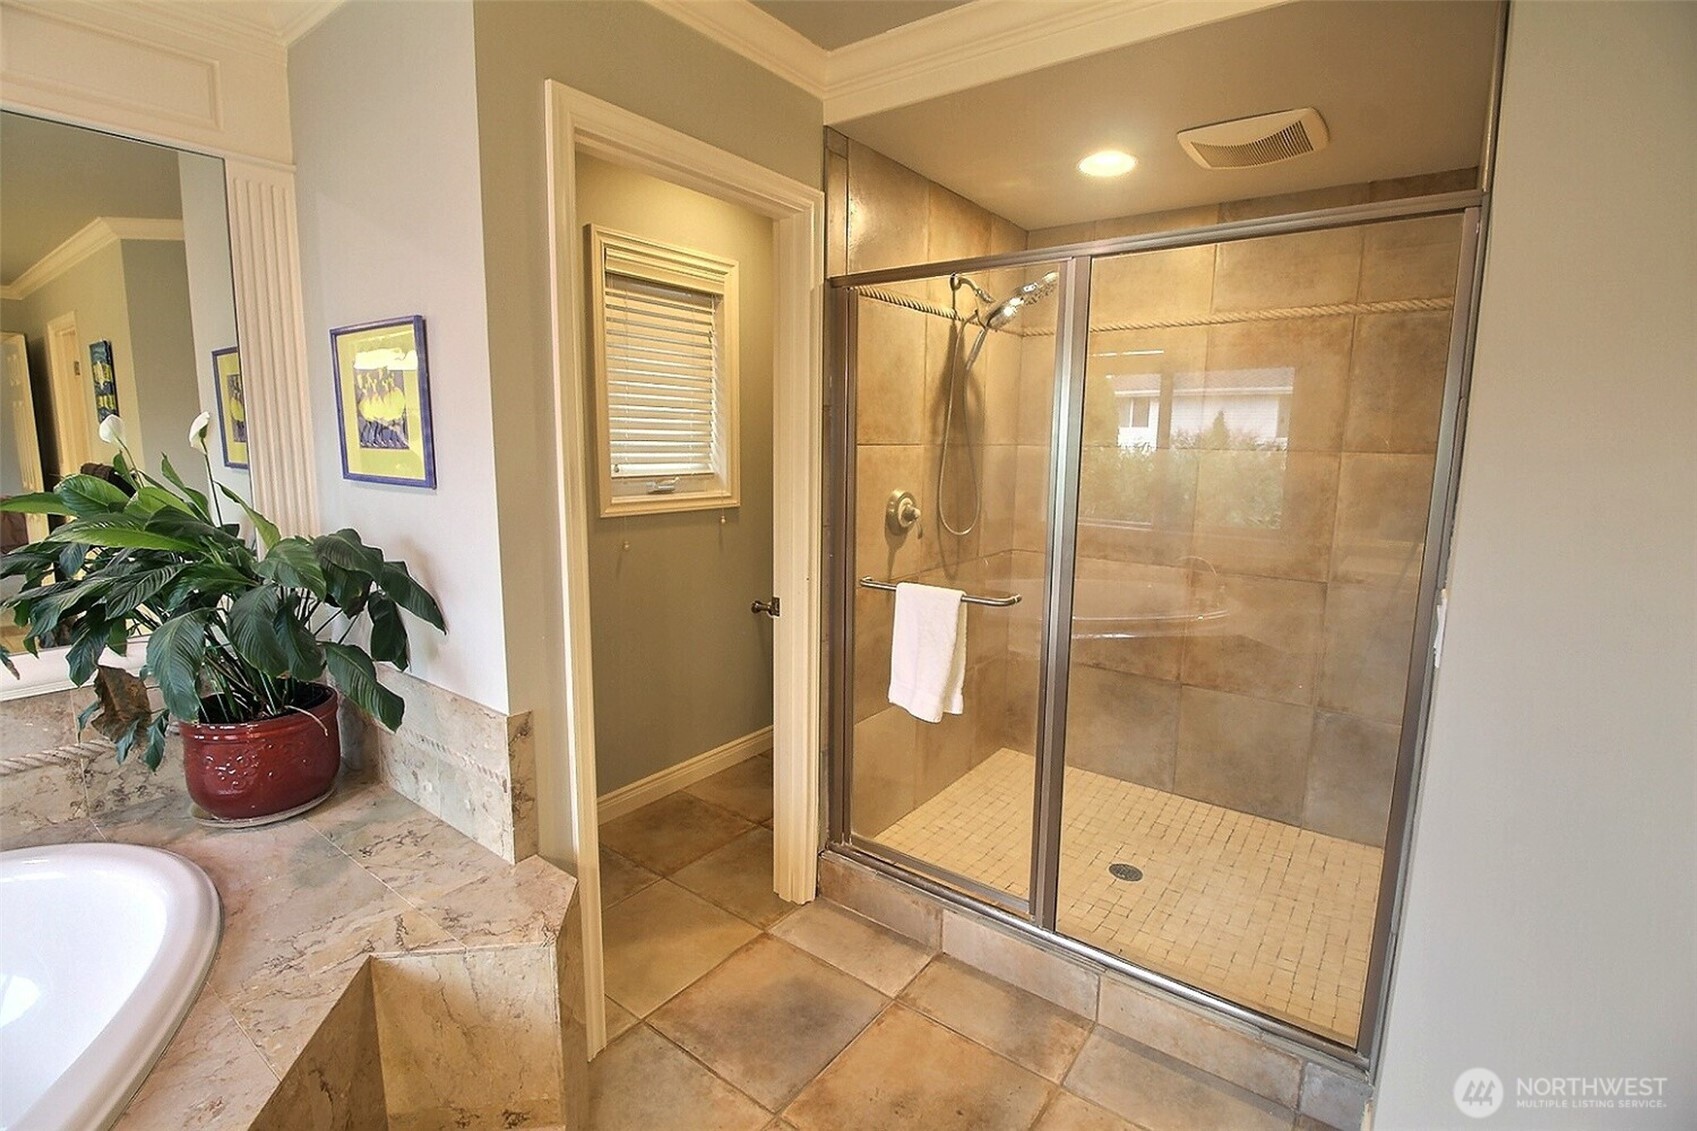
[{"x": 241, "y": 635}]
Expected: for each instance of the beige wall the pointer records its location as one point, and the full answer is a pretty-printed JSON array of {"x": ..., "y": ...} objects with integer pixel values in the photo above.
[
  {"x": 1552, "y": 891},
  {"x": 212, "y": 292},
  {"x": 681, "y": 665},
  {"x": 156, "y": 282},
  {"x": 631, "y": 55}
]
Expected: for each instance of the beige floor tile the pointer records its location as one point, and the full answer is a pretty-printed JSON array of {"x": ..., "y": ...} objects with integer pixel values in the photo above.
[
  {"x": 619, "y": 1020},
  {"x": 876, "y": 955},
  {"x": 1066, "y": 1112},
  {"x": 1029, "y": 1031},
  {"x": 643, "y": 1082},
  {"x": 738, "y": 877},
  {"x": 744, "y": 789},
  {"x": 660, "y": 940},
  {"x": 907, "y": 1071},
  {"x": 620, "y": 879},
  {"x": 674, "y": 831},
  {"x": 1277, "y": 917},
  {"x": 1161, "y": 1094},
  {"x": 769, "y": 1018}
]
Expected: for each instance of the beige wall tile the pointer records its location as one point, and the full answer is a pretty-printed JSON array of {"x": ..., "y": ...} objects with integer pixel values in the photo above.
[
  {"x": 1300, "y": 546},
  {"x": 946, "y": 747},
  {"x": 1350, "y": 774},
  {"x": 1268, "y": 645},
  {"x": 1314, "y": 350},
  {"x": 1124, "y": 726},
  {"x": 1000, "y": 464},
  {"x": 891, "y": 374},
  {"x": 1369, "y": 630},
  {"x": 1148, "y": 286},
  {"x": 879, "y": 470},
  {"x": 1063, "y": 234},
  {"x": 888, "y": 206},
  {"x": 1021, "y": 691},
  {"x": 1396, "y": 382},
  {"x": 1036, "y": 388},
  {"x": 874, "y": 611},
  {"x": 956, "y": 228},
  {"x": 883, "y": 901},
  {"x": 1005, "y": 236},
  {"x": 1312, "y": 200},
  {"x": 1381, "y": 521},
  {"x": 1411, "y": 259},
  {"x": 886, "y": 770},
  {"x": 1021, "y": 963},
  {"x": 836, "y": 211},
  {"x": 1227, "y": 1051},
  {"x": 1173, "y": 220},
  {"x": 1244, "y": 753},
  {"x": 1031, "y": 498},
  {"x": 1306, "y": 269},
  {"x": 1426, "y": 184}
]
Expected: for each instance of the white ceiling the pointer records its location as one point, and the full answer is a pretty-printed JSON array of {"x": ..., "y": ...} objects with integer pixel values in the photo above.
[
  {"x": 1403, "y": 86},
  {"x": 837, "y": 23},
  {"x": 56, "y": 178}
]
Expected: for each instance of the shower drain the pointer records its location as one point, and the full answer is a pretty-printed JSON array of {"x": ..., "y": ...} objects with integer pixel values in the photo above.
[{"x": 1125, "y": 871}]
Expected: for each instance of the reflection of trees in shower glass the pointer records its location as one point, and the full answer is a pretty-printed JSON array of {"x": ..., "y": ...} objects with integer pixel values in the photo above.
[{"x": 1219, "y": 477}]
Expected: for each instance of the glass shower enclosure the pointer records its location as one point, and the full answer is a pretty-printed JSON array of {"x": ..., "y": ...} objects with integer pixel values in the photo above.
[{"x": 1194, "y": 486}]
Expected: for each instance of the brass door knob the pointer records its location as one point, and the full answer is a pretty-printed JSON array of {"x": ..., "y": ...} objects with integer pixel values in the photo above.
[{"x": 770, "y": 608}]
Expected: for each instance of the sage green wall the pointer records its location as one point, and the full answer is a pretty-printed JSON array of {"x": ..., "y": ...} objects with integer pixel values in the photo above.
[
  {"x": 156, "y": 281},
  {"x": 681, "y": 666},
  {"x": 633, "y": 56}
]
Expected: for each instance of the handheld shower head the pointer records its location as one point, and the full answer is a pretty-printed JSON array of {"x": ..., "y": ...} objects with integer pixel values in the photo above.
[
  {"x": 956, "y": 282},
  {"x": 1026, "y": 295}
]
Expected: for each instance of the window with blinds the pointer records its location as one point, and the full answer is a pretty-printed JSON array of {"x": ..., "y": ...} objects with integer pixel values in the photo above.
[{"x": 665, "y": 350}]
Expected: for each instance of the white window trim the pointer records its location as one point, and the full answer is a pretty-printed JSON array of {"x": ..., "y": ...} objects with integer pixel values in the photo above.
[{"x": 669, "y": 266}]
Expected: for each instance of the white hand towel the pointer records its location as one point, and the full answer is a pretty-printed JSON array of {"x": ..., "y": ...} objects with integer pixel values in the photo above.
[{"x": 928, "y": 651}]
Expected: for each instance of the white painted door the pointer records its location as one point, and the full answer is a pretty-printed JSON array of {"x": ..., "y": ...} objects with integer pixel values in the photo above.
[{"x": 20, "y": 465}]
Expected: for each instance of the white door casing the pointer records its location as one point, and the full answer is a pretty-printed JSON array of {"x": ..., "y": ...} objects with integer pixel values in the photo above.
[{"x": 578, "y": 122}]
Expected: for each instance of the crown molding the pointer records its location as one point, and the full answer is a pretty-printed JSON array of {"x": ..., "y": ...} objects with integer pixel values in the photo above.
[
  {"x": 303, "y": 18},
  {"x": 97, "y": 234},
  {"x": 757, "y": 37},
  {"x": 988, "y": 40},
  {"x": 958, "y": 49}
]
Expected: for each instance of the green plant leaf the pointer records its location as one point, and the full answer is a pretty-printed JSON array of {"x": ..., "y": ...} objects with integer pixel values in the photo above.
[
  {"x": 344, "y": 550},
  {"x": 208, "y": 581},
  {"x": 398, "y": 583},
  {"x": 292, "y": 563},
  {"x": 126, "y": 738},
  {"x": 86, "y": 648},
  {"x": 388, "y": 631},
  {"x": 155, "y": 752},
  {"x": 149, "y": 498},
  {"x": 175, "y": 653},
  {"x": 39, "y": 502},
  {"x": 86, "y": 496},
  {"x": 305, "y": 658},
  {"x": 253, "y": 630},
  {"x": 70, "y": 560},
  {"x": 118, "y": 530},
  {"x": 355, "y": 674},
  {"x": 135, "y": 591},
  {"x": 268, "y": 532},
  {"x": 197, "y": 501}
]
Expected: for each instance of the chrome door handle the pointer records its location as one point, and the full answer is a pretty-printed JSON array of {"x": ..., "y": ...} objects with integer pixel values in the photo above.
[{"x": 770, "y": 608}]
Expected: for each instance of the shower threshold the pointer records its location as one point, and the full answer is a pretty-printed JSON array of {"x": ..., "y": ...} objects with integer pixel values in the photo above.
[{"x": 1275, "y": 917}]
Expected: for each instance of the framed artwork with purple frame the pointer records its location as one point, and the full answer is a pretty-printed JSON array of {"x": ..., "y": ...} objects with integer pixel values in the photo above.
[
  {"x": 383, "y": 402},
  {"x": 232, "y": 405}
]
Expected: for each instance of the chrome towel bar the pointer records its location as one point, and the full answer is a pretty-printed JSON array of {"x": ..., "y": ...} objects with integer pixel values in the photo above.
[{"x": 970, "y": 599}]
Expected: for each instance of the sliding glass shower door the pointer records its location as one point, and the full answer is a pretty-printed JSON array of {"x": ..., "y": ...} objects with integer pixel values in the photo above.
[
  {"x": 952, "y": 382},
  {"x": 1206, "y": 472}
]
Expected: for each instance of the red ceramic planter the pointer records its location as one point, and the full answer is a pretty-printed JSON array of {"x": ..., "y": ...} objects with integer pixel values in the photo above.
[{"x": 238, "y": 771}]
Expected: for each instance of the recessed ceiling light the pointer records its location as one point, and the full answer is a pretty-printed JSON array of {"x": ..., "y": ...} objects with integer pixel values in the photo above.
[{"x": 1107, "y": 163}]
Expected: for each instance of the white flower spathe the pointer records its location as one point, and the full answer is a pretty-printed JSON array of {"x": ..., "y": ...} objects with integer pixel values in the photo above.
[
  {"x": 198, "y": 430},
  {"x": 112, "y": 430}
]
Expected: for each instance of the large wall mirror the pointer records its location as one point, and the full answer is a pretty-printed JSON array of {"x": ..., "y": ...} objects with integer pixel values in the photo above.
[{"x": 116, "y": 296}]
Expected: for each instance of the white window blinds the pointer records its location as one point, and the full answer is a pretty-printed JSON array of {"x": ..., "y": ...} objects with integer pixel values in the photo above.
[
  {"x": 665, "y": 358},
  {"x": 662, "y": 373}
]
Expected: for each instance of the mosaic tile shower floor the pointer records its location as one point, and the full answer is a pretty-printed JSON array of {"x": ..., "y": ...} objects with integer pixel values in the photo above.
[{"x": 1273, "y": 916}]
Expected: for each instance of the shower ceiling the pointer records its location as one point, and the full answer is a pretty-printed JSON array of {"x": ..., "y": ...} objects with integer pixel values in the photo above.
[{"x": 1403, "y": 87}]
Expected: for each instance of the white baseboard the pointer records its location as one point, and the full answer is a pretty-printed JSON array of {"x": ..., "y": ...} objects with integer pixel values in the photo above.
[{"x": 629, "y": 798}]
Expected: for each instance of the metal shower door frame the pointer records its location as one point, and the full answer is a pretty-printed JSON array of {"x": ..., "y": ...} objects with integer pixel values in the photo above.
[{"x": 1037, "y": 916}]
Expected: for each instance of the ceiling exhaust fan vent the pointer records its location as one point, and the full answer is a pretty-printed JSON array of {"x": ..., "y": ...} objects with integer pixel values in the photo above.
[{"x": 1244, "y": 143}]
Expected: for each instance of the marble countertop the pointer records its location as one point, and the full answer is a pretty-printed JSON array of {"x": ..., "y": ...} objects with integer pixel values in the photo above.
[{"x": 306, "y": 903}]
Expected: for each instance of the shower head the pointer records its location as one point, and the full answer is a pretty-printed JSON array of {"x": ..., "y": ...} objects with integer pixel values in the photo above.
[
  {"x": 1031, "y": 292},
  {"x": 956, "y": 282}
]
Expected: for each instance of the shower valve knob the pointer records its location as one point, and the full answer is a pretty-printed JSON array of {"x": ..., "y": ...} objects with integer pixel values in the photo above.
[{"x": 901, "y": 512}]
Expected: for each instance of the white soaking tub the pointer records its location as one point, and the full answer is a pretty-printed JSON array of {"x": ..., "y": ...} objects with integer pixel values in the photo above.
[{"x": 103, "y": 949}]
